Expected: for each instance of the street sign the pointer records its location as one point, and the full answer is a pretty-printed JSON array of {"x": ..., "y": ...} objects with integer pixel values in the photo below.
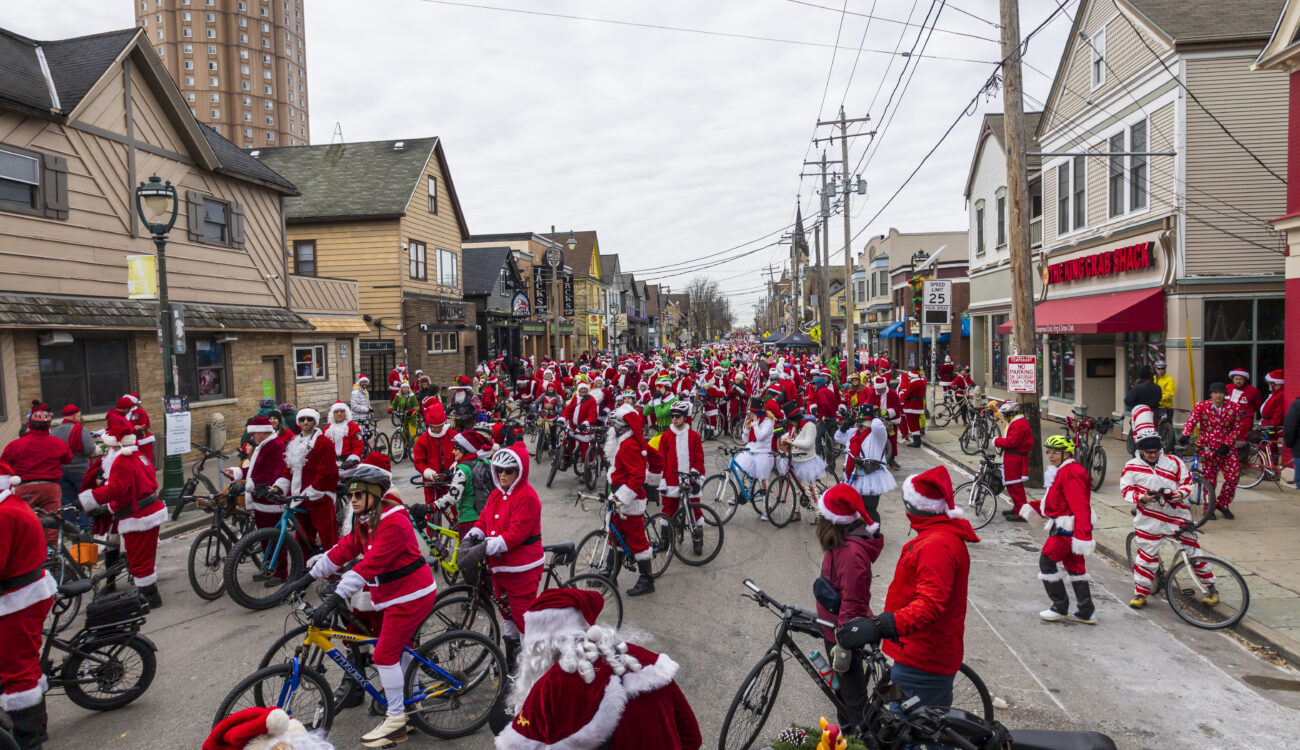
[
  {"x": 554, "y": 257},
  {"x": 1022, "y": 373},
  {"x": 937, "y": 306}
]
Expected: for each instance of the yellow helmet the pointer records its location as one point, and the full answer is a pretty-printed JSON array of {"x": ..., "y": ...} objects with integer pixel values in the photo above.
[{"x": 1060, "y": 443}]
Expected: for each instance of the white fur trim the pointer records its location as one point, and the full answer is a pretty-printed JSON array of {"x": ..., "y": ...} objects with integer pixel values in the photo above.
[
  {"x": 1081, "y": 547},
  {"x": 323, "y": 566},
  {"x": 650, "y": 677},
  {"x": 137, "y": 525},
  {"x": 634, "y": 508},
  {"x": 1025, "y": 510},
  {"x": 592, "y": 735},
  {"x": 517, "y": 568},
  {"x": 546, "y": 623},
  {"x": 266, "y": 507},
  {"x": 653, "y": 479},
  {"x": 277, "y": 722},
  {"x": 281, "y": 484},
  {"x": 625, "y": 495},
  {"x": 361, "y": 602},
  {"x": 1080, "y": 577},
  {"x": 37, "y": 591},
  {"x": 496, "y": 545},
  {"x": 308, "y": 412},
  {"x": 432, "y": 588},
  {"x": 1057, "y": 576},
  {"x": 834, "y": 518},
  {"x": 349, "y": 584},
  {"x": 1064, "y": 523},
  {"x": 914, "y": 498},
  {"x": 255, "y": 428},
  {"x": 646, "y": 554},
  {"x": 11, "y": 702},
  {"x": 236, "y": 472},
  {"x": 87, "y": 499},
  {"x": 148, "y": 580}
]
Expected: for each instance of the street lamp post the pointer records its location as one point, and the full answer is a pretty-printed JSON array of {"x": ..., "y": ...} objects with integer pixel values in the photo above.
[
  {"x": 918, "y": 258},
  {"x": 555, "y": 259},
  {"x": 156, "y": 203}
]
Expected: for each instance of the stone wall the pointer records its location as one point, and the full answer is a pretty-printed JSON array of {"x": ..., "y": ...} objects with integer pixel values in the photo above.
[{"x": 442, "y": 369}]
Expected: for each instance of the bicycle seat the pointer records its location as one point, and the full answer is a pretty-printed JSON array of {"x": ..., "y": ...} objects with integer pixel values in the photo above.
[
  {"x": 76, "y": 588},
  {"x": 564, "y": 552},
  {"x": 1045, "y": 739}
]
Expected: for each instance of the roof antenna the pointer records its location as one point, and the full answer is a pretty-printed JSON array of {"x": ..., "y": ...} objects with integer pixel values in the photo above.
[{"x": 338, "y": 134}]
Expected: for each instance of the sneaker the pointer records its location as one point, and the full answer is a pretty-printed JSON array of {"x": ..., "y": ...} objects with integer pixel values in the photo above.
[
  {"x": 1013, "y": 516},
  {"x": 1223, "y": 511},
  {"x": 392, "y": 730},
  {"x": 1088, "y": 620},
  {"x": 1051, "y": 615},
  {"x": 1137, "y": 602},
  {"x": 1211, "y": 599}
]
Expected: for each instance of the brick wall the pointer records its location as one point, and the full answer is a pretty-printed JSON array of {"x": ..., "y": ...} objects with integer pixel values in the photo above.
[
  {"x": 320, "y": 394},
  {"x": 442, "y": 369}
]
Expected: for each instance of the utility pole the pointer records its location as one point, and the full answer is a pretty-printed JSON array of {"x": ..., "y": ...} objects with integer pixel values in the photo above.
[
  {"x": 847, "y": 184},
  {"x": 1022, "y": 285},
  {"x": 823, "y": 240}
]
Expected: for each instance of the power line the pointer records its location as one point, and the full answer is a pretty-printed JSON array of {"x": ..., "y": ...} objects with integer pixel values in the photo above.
[
  {"x": 831, "y": 70},
  {"x": 874, "y": 146},
  {"x": 871, "y": 16},
  {"x": 857, "y": 57}
]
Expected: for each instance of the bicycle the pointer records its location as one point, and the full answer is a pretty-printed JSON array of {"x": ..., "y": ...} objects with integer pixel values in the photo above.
[
  {"x": 590, "y": 471},
  {"x": 731, "y": 487},
  {"x": 476, "y": 607},
  {"x": 593, "y": 552},
  {"x": 787, "y": 495},
  {"x": 372, "y": 440},
  {"x": 107, "y": 663},
  {"x": 271, "y": 557},
  {"x": 452, "y": 682},
  {"x": 979, "y": 432},
  {"x": 698, "y": 525},
  {"x": 74, "y": 563},
  {"x": 197, "y": 476},
  {"x": 753, "y": 703},
  {"x": 211, "y": 547},
  {"x": 443, "y": 540},
  {"x": 1087, "y": 432},
  {"x": 980, "y": 494},
  {"x": 559, "y": 449},
  {"x": 1202, "y": 500},
  {"x": 950, "y": 408},
  {"x": 1261, "y": 459},
  {"x": 401, "y": 439},
  {"x": 543, "y": 432}
]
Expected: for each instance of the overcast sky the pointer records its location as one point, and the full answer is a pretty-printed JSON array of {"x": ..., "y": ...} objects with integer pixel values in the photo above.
[{"x": 673, "y": 145}]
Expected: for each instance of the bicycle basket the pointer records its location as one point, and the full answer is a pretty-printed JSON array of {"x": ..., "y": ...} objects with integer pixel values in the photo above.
[
  {"x": 119, "y": 609},
  {"x": 86, "y": 554}
]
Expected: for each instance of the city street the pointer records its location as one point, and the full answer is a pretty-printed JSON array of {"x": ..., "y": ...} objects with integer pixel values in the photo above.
[{"x": 1146, "y": 679}]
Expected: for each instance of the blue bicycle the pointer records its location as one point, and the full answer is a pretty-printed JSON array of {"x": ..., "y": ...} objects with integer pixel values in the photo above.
[
  {"x": 605, "y": 551},
  {"x": 731, "y": 487},
  {"x": 452, "y": 682},
  {"x": 1202, "y": 500},
  {"x": 264, "y": 561}
]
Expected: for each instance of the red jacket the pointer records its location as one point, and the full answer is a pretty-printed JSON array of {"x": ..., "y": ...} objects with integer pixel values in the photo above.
[
  {"x": 1068, "y": 505},
  {"x": 512, "y": 523},
  {"x": 684, "y": 452},
  {"x": 310, "y": 469},
  {"x": 890, "y": 403},
  {"x": 913, "y": 395},
  {"x": 488, "y": 399},
  {"x": 827, "y": 402},
  {"x": 434, "y": 452},
  {"x": 22, "y": 551},
  {"x": 388, "y": 547},
  {"x": 946, "y": 372},
  {"x": 849, "y": 571},
  {"x": 928, "y": 595},
  {"x": 581, "y": 412},
  {"x": 129, "y": 493},
  {"x": 1248, "y": 399},
  {"x": 346, "y": 439},
  {"x": 1015, "y": 446},
  {"x": 1273, "y": 412},
  {"x": 37, "y": 456},
  {"x": 627, "y": 475},
  {"x": 265, "y": 466},
  {"x": 960, "y": 383}
]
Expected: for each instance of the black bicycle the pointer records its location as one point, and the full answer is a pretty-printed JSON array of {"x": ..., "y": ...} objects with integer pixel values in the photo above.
[
  {"x": 980, "y": 495},
  {"x": 107, "y": 663},
  {"x": 211, "y": 547}
]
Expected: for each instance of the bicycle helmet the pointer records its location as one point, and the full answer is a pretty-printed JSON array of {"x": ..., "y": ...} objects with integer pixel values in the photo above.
[
  {"x": 1009, "y": 407},
  {"x": 680, "y": 407},
  {"x": 1060, "y": 443}
]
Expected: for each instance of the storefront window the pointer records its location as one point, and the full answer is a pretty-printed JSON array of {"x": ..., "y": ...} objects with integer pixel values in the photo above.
[
  {"x": 1242, "y": 333},
  {"x": 1142, "y": 349},
  {"x": 203, "y": 369},
  {"x": 1060, "y": 361},
  {"x": 309, "y": 363},
  {"x": 1000, "y": 345},
  {"x": 91, "y": 373}
]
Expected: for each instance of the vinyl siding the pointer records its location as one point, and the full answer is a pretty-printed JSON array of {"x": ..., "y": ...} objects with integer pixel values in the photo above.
[
  {"x": 990, "y": 174},
  {"x": 438, "y": 231},
  {"x": 1253, "y": 105},
  {"x": 367, "y": 252}
]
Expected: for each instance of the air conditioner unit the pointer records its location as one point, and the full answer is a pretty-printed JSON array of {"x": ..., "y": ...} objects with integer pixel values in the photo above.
[{"x": 55, "y": 338}]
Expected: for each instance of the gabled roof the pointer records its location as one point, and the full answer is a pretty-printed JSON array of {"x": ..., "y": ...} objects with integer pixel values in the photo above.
[
  {"x": 580, "y": 259},
  {"x": 76, "y": 66},
  {"x": 995, "y": 127},
  {"x": 629, "y": 283},
  {"x": 482, "y": 268},
  {"x": 609, "y": 269},
  {"x": 652, "y": 299},
  {"x": 367, "y": 180},
  {"x": 1188, "y": 22},
  {"x": 1281, "y": 45}
]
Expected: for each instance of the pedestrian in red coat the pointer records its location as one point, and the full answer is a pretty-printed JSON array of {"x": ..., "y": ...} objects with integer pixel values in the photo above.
[
  {"x": 310, "y": 470},
  {"x": 627, "y": 479},
  {"x": 1218, "y": 420},
  {"x": 913, "y": 397},
  {"x": 1272, "y": 415},
  {"x": 38, "y": 457},
  {"x": 432, "y": 452},
  {"x": 947, "y": 371},
  {"x": 1068, "y": 509},
  {"x": 1246, "y": 397},
  {"x": 925, "y": 608},
  {"x": 580, "y": 685},
  {"x": 26, "y": 593},
  {"x": 135, "y": 414},
  {"x": 265, "y": 466},
  {"x": 1015, "y": 445}
]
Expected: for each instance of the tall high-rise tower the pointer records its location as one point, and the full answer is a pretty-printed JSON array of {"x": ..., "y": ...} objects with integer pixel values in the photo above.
[{"x": 241, "y": 64}]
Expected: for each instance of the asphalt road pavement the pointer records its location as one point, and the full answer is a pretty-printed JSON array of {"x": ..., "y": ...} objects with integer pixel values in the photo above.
[{"x": 1145, "y": 678}]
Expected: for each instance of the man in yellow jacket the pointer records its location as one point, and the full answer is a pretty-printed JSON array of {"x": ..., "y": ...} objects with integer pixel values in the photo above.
[{"x": 1167, "y": 388}]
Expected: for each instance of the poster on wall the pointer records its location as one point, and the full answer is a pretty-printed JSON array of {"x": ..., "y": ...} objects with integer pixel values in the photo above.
[
  {"x": 176, "y": 410},
  {"x": 1022, "y": 373}
]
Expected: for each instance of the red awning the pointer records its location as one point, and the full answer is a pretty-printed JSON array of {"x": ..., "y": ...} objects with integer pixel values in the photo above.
[{"x": 1117, "y": 312}]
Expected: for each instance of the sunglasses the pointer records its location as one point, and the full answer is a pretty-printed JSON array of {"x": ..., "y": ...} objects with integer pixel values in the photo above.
[
  {"x": 306, "y": 419},
  {"x": 355, "y": 495}
]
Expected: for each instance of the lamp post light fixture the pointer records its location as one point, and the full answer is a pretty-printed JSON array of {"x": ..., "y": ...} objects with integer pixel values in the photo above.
[{"x": 157, "y": 204}]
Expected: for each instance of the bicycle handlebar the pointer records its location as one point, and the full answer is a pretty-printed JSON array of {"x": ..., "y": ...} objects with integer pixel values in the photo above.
[{"x": 208, "y": 452}]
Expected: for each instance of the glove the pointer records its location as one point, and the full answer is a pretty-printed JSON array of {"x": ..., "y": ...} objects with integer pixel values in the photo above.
[
  {"x": 471, "y": 557},
  {"x": 102, "y": 510},
  {"x": 350, "y": 462},
  {"x": 1184, "y": 439},
  {"x": 320, "y": 617},
  {"x": 300, "y": 584},
  {"x": 1222, "y": 450},
  {"x": 429, "y": 474}
]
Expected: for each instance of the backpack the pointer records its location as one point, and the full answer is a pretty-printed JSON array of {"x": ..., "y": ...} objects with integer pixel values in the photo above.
[{"x": 481, "y": 477}]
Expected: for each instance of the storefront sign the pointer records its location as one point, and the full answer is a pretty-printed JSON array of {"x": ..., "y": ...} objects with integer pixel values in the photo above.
[
  {"x": 521, "y": 307},
  {"x": 141, "y": 277},
  {"x": 540, "y": 296},
  {"x": 1139, "y": 257},
  {"x": 1022, "y": 373},
  {"x": 568, "y": 295}
]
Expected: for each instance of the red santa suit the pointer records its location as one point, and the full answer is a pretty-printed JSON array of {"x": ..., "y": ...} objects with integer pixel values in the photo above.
[
  {"x": 886, "y": 404},
  {"x": 26, "y": 593},
  {"x": 511, "y": 524},
  {"x": 680, "y": 450},
  {"x": 1015, "y": 446},
  {"x": 139, "y": 420},
  {"x": 345, "y": 435},
  {"x": 395, "y": 380},
  {"x": 527, "y": 390},
  {"x": 1247, "y": 399},
  {"x": 488, "y": 399},
  {"x": 310, "y": 470},
  {"x": 38, "y": 457},
  {"x": 1068, "y": 509},
  {"x": 947, "y": 371},
  {"x": 627, "y": 479},
  {"x": 265, "y": 466},
  {"x": 826, "y": 403},
  {"x": 581, "y": 413},
  {"x": 136, "y": 512},
  {"x": 432, "y": 453},
  {"x": 913, "y": 396}
]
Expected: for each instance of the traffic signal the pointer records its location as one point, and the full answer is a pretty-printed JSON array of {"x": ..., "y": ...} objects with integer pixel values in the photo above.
[{"x": 918, "y": 286}]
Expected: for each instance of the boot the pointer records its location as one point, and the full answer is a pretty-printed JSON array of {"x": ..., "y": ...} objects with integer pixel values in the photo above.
[
  {"x": 645, "y": 583},
  {"x": 1055, "y": 587},
  {"x": 1085, "y": 611},
  {"x": 29, "y": 726},
  {"x": 151, "y": 595},
  {"x": 1013, "y": 517},
  {"x": 390, "y": 732},
  {"x": 111, "y": 558},
  {"x": 612, "y": 565},
  {"x": 512, "y": 654}
]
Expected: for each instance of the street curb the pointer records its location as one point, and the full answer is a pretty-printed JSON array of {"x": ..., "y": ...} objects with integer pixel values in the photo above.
[
  {"x": 1248, "y": 628},
  {"x": 176, "y": 528}
]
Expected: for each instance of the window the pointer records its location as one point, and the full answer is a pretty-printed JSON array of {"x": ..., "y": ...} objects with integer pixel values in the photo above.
[
  {"x": 1115, "y": 176},
  {"x": 216, "y": 114},
  {"x": 419, "y": 268},
  {"x": 212, "y": 65},
  {"x": 20, "y": 180},
  {"x": 309, "y": 362},
  {"x": 1002, "y": 218},
  {"x": 999, "y": 346},
  {"x": 248, "y": 133},
  {"x": 243, "y": 70},
  {"x": 266, "y": 90},
  {"x": 1142, "y": 349},
  {"x": 190, "y": 97},
  {"x": 212, "y": 49},
  {"x": 304, "y": 256},
  {"x": 216, "y": 221},
  {"x": 1137, "y": 167},
  {"x": 243, "y": 53},
  {"x": 447, "y": 262},
  {"x": 266, "y": 74},
  {"x": 216, "y": 129},
  {"x": 266, "y": 28},
  {"x": 442, "y": 343},
  {"x": 269, "y": 104},
  {"x": 270, "y": 136},
  {"x": 266, "y": 59},
  {"x": 1242, "y": 333},
  {"x": 266, "y": 43},
  {"x": 185, "y": 32},
  {"x": 1080, "y": 206},
  {"x": 247, "y": 101},
  {"x": 1098, "y": 44},
  {"x": 433, "y": 193},
  {"x": 270, "y": 120},
  {"x": 204, "y": 370},
  {"x": 89, "y": 372},
  {"x": 189, "y": 65},
  {"x": 214, "y": 97},
  {"x": 242, "y": 6},
  {"x": 189, "y": 49},
  {"x": 979, "y": 227},
  {"x": 248, "y": 117},
  {"x": 246, "y": 87},
  {"x": 1060, "y": 365},
  {"x": 212, "y": 18},
  {"x": 213, "y": 81},
  {"x": 189, "y": 80},
  {"x": 1063, "y": 198}
]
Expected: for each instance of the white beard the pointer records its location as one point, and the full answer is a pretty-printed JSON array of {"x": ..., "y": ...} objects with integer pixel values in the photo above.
[
  {"x": 336, "y": 432},
  {"x": 612, "y": 441},
  {"x": 295, "y": 455},
  {"x": 1049, "y": 476},
  {"x": 599, "y": 395},
  {"x": 575, "y": 651},
  {"x": 459, "y": 398}
]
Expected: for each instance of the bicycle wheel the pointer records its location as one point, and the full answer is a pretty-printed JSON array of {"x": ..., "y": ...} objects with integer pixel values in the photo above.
[
  {"x": 1130, "y": 544},
  {"x": 1201, "y": 501},
  {"x": 592, "y": 554},
  {"x": 248, "y": 559},
  {"x": 970, "y": 440},
  {"x": 397, "y": 445},
  {"x": 284, "y": 648},
  {"x": 720, "y": 492},
  {"x": 1097, "y": 467},
  {"x": 753, "y": 704},
  {"x": 1166, "y": 432},
  {"x": 970, "y": 694},
  {"x": 557, "y": 460},
  {"x": 308, "y": 699},
  {"x": 975, "y": 499},
  {"x": 63, "y": 569},
  {"x": 539, "y": 444},
  {"x": 1187, "y": 586},
  {"x": 460, "y": 608},
  {"x": 1254, "y": 468},
  {"x": 612, "y": 613},
  {"x": 698, "y": 543},
  {"x": 381, "y": 443},
  {"x": 471, "y": 659},
  {"x": 782, "y": 501},
  {"x": 591, "y": 473},
  {"x": 657, "y": 532},
  {"x": 942, "y": 415},
  {"x": 110, "y": 672},
  {"x": 207, "y": 564}
]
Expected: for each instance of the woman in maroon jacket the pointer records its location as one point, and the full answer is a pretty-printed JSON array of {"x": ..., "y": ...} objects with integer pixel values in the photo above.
[{"x": 850, "y": 541}]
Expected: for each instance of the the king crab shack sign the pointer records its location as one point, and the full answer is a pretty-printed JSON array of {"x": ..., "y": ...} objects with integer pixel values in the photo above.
[{"x": 1139, "y": 257}]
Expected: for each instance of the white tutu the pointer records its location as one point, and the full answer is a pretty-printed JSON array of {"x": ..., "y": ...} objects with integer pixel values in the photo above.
[
  {"x": 781, "y": 465},
  {"x": 877, "y": 483},
  {"x": 811, "y": 470},
  {"x": 756, "y": 465}
]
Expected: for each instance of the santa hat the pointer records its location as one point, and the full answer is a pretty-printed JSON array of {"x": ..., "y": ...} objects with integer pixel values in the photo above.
[
  {"x": 259, "y": 424},
  {"x": 557, "y": 611},
  {"x": 880, "y": 383},
  {"x": 119, "y": 433},
  {"x": 1239, "y": 371},
  {"x": 126, "y": 402},
  {"x": 773, "y": 406},
  {"x": 493, "y": 380},
  {"x": 1274, "y": 377},
  {"x": 363, "y": 379},
  {"x": 434, "y": 414},
  {"x": 462, "y": 382},
  {"x": 471, "y": 442},
  {"x": 7, "y": 478},
  {"x": 931, "y": 492},
  {"x": 343, "y": 407},
  {"x": 270, "y": 727},
  {"x": 71, "y": 409},
  {"x": 307, "y": 411},
  {"x": 1144, "y": 427},
  {"x": 842, "y": 505},
  {"x": 583, "y": 384},
  {"x": 401, "y": 366}
]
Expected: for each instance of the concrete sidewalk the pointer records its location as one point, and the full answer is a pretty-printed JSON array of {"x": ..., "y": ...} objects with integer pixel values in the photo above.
[{"x": 1261, "y": 543}]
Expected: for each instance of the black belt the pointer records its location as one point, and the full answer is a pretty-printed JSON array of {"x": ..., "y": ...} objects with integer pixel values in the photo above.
[
  {"x": 534, "y": 539},
  {"x": 401, "y": 572},
  {"x": 17, "y": 582},
  {"x": 1014, "y": 453},
  {"x": 135, "y": 506}
]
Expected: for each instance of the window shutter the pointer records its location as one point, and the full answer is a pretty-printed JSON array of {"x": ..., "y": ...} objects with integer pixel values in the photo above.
[
  {"x": 55, "y": 186},
  {"x": 194, "y": 209},
  {"x": 236, "y": 225}
]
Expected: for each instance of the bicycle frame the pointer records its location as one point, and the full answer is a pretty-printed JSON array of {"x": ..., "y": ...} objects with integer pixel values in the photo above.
[
  {"x": 289, "y": 529},
  {"x": 447, "y": 562},
  {"x": 744, "y": 482},
  {"x": 323, "y": 639}
]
